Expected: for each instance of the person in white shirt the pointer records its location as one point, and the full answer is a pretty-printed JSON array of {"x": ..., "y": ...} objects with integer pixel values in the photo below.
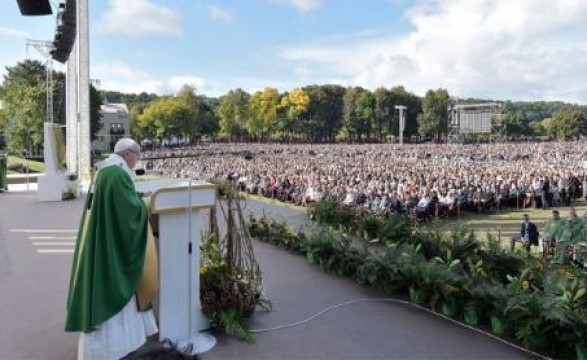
[{"x": 422, "y": 207}]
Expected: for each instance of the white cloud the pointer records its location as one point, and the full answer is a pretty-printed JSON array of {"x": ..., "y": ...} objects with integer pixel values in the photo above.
[
  {"x": 175, "y": 83},
  {"x": 303, "y": 72},
  {"x": 118, "y": 76},
  {"x": 4, "y": 31},
  {"x": 302, "y": 6},
  {"x": 524, "y": 49},
  {"x": 119, "y": 70},
  {"x": 139, "y": 17},
  {"x": 220, "y": 13}
]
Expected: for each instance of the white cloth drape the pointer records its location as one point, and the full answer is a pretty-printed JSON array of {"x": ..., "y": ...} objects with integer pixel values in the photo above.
[{"x": 124, "y": 332}]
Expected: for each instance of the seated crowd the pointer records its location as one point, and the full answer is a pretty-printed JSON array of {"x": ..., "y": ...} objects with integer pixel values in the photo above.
[{"x": 423, "y": 180}]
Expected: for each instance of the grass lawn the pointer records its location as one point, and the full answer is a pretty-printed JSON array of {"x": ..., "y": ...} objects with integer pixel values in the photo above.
[
  {"x": 507, "y": 222},
  {"x": 17, "y": 162},
  {"x": 502, "y": 224}
]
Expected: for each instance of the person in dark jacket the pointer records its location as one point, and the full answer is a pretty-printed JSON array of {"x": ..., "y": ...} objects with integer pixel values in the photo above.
[
  {"x": 545, "y": 194},
  {"x": 528, "y": 234}
]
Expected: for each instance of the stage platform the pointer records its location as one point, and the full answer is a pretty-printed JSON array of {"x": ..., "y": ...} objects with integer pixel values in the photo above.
[{"x": 33, "y": 273}]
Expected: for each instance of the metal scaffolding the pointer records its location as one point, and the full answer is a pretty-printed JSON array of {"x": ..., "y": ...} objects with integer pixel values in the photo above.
[
  {"x": 44, "y": 48},
  {"x": 466, "y": 120}
]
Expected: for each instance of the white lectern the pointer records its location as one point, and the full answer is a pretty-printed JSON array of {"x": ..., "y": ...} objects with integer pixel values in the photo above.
[{"x": 180, "y": 206}]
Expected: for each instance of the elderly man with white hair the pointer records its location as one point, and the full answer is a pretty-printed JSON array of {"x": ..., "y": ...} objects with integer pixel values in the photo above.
[{"x": 108, "y": 263}]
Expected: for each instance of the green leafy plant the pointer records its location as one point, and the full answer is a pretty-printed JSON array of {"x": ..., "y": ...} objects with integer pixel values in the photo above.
[
  {"x": 497, "y": 295},
  {"x": 498, "y": 262},
  {"x": 235, "y": 325},
  {"x": 368, "y": 226},
  {"x": 541, "y": 304},
  {"x": 395, "y": 228},
  {"x": 330, "y": 213}
]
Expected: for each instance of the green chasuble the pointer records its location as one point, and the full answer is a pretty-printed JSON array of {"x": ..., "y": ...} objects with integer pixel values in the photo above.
[
  {"x": 109, "y": 252},
  {"x": 553, "y": 229}
]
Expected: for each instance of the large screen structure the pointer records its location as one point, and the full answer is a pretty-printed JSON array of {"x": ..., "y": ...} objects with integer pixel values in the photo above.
[
  {"x": 474, "y": 122},
  {"x": 475, "y": 118}
]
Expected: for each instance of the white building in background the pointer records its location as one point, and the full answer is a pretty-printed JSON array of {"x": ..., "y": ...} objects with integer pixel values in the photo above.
[{"x": 115, "y": 125}]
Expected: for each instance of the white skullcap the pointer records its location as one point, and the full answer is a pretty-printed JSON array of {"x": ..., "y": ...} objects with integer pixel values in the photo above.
[{"x": 125, "y": 144}]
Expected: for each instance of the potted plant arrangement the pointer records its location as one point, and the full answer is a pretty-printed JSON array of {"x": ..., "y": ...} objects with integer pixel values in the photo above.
[
  {"x": 231, "y": 280},
  {"x": 68, "y": 193}
]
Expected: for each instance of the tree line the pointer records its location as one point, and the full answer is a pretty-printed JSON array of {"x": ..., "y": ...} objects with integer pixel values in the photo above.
[
  {"x": 23, "y": 109},
  {"x": 333, "y": 113},
  {"x": 315, "y": 113}
]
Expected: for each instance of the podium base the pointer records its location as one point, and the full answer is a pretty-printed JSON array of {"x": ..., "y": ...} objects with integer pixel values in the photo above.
[{"x": 199, "y": 343}]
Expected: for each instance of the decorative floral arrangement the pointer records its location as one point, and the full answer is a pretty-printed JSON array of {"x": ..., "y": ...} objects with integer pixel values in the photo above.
[
  {"x": 68, "y": 193},
  {"x": 231, "y": 285}
]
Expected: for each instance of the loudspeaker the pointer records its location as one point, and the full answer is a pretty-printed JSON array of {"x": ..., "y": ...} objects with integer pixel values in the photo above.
[
  {"x": 34, "y": 7},
  {"x": 65, "y": 32}
]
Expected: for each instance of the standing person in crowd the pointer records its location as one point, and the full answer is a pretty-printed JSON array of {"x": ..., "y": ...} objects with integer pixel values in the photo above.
[
  {"x": 528, "y": 235},
  {"x": 109, "y": 261},
  {"x": 545, "y": 194}
]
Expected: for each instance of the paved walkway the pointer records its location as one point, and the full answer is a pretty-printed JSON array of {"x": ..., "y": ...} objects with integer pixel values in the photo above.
[{"x": 33, "y": 287}]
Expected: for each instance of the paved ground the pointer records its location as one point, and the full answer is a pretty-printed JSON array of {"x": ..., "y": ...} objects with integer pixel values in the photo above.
[
  {"x": 35, "y": 255},
  {"x": 34, "y": 277}
]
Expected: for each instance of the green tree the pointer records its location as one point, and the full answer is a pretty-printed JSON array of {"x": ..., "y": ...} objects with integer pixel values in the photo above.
[
  {"x": 232, "y": 114},
  {"x": 433, "y": 122},
  {"x": 365, "y": 109},
  {"x": 3, "y": 120},
  {"x": 352, "y": 128},
  {"x": 293, "y": 105},
  {"x": 159, "y": 118},
  {"x": 188, "y": 122},
  {"x": 516, "y": 125},
  {"x": 131, "y": 100},
  {"x": 565, "y": 125},
  {"x": 24, "y": 96},
  {"x": 323, "y": 119},
  {"x": 208, "y": 123},
  {"x": 263, "y": 106},
  {"x": 95, "y": 114},
  {"x": 139, "y": 129},
  {"x": 414, "y": 108},
  {"x": 384, "y": 125}
]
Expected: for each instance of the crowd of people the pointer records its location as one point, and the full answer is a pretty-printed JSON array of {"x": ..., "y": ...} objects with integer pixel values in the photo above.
[{"x": 423, "y": 179}]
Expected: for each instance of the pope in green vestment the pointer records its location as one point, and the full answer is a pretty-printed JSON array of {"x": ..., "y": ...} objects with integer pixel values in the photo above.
[
  {"x": 553, "y": 228},
  {"x": 109, "y": 253}
]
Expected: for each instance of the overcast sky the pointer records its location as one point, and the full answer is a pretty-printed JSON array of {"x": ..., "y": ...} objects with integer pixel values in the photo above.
[{"x": 498, "y": 49}]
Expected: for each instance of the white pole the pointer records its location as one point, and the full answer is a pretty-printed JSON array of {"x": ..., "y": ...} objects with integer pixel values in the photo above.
[
  {"x": 71, "y": 115},
  {"x": 83, "y": 37},
  {"x": 402, "y": 122}
]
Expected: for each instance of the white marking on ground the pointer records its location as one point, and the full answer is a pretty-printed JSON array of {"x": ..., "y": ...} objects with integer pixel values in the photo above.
[
  {"x": 52, "y": 237},
  {"x": 55, "y": 251},
  {"x": 54, "y": 243},
  {"x": 43, "y": 231}
]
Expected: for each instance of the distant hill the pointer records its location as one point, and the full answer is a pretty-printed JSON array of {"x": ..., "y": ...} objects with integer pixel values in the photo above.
[{"x": 531, "y": 111}]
